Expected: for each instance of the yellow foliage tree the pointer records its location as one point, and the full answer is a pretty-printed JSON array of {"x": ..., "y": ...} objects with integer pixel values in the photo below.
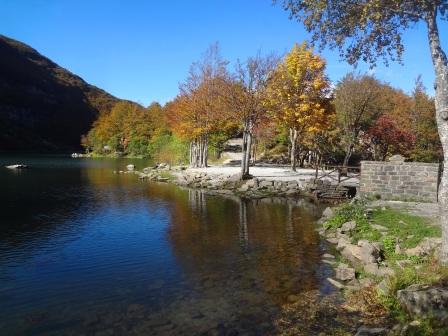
[{"x": 297, "y": 94}]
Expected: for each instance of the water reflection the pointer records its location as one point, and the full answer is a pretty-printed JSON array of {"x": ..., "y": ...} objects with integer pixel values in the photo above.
[{"x": 87, "y": 252}]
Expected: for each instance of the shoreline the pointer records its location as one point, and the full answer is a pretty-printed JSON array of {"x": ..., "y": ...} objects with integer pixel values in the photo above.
[{"x": 266, "y": 181}]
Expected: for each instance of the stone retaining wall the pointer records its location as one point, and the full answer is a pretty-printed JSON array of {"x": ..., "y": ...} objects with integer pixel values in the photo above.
[{"x": 405, "y": 181}]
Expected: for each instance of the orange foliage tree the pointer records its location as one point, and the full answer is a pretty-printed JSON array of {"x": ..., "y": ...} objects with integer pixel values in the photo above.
[{"x": 199, "y": 109}]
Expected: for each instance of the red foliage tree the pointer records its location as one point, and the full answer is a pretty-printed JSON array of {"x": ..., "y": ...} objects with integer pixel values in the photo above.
[{"x": 386, "y": 138}]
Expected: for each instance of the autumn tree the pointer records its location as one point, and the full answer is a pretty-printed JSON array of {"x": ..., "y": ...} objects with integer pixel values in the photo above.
[
  {"x": 368, "y": 30},
  {"x": 322, "y": 142},
  {"x": 199, "y": 109},
  {"x": 246, "y": 100},
  {"x": 296, "y": 92},
  {"x": 385, "y": 137},
  {"x": 357, "y": 107},
  {"x": 111, "y": 129}
]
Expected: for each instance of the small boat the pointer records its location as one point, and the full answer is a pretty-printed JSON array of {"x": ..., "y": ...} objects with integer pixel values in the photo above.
[{"x": 17, "y": 166}]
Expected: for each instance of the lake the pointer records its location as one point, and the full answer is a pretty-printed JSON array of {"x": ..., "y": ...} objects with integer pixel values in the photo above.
[{"x": 84, "y": 251}]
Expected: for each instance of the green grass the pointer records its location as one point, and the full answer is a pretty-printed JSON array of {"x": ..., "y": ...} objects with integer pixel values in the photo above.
[
  {"x": 409, "y": 229},
  {"x": 345, "y": 213}
]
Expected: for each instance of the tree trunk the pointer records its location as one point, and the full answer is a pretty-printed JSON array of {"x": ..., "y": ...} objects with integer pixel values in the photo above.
[
  {"x": 348, "y": 155},
  {"x": 441, "y": 101},
  {"x": 293, "y": 141},
  {"x": 247, "y": 149},
  {"x": 244, "y": 153},
  {"x": 199, "y": 152},
  {"x": 193, "y": 154}
]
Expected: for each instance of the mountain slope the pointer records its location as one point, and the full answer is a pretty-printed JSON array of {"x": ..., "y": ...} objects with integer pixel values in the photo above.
[{"x": 42, "y": 105}]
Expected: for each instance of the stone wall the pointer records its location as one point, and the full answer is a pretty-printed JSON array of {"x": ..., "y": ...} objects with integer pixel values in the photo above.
[{"x": 407, "y": 181}]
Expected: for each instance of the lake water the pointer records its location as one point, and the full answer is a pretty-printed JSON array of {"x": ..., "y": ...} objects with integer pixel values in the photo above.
[{"x": 84, "y": 251}]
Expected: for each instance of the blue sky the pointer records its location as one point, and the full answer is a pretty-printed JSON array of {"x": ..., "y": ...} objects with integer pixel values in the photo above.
[{"x": 141, "y": 50}]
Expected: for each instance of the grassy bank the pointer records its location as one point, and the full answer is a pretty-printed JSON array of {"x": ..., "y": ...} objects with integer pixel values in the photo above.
[{"x": 399, "y": 234}]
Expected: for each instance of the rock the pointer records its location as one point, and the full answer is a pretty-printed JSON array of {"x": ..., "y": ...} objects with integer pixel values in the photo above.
[
  {"x": 426, "y": 247},
  {"x": 374, "y": 269},
  {"x": 335, "y": 283},
  {"x": 386, "y": 271},
  {"x": 333, "y": 240},
  {"x": 365, "y": 331},
  {"x": 348, "y": 226},
  {"x": 369, "y": 252},
  {"x": 328, "y": 212},
  {"x": 328, "y": 256},
  {"x": 251, "y": 183},
  {"x": 130, "y": 167},
  {"x": 265, "y": 184},
  {"x": 379, "y": 227},
  {"x": 17, "y": 166},
  {"x": 244, "y": 188},
  {"x": 329, "y": 234},
  {"x": 341, "y": 235},
  {"x": 291, "y": 192},
  {"x": 343, "y": 243},
  {"x": 344, "y": 273},
  {"x": 430, "y": 244},
  {"x": 425, "y": 301},
  {"x": 414, "y": 252},
  {"x": 412, "y": 328},
  {"x": 397, "y": 158},
  {"x": 329, "y": 262},
  {"x": 371, "y": 269}
]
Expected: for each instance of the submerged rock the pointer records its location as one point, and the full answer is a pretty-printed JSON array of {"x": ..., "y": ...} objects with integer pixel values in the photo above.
[{"x": 335, "y": 283}]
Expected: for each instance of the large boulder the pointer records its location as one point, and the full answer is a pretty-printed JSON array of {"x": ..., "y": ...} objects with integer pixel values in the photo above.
[
  {"x": 425, "y": 301},
  {"x": 427, "y": 246},
  {"x": 370, "y": 252},
  {"x": 364, "y": 253}
]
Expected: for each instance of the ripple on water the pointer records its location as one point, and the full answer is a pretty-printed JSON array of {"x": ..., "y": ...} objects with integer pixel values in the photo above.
[{"x": 84, "y": 251}]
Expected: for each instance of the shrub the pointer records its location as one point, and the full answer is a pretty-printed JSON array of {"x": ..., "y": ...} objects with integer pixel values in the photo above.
[{"x": 347, "y": 212}]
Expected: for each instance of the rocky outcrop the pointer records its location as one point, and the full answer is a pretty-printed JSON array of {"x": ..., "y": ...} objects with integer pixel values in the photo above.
[
  {"x": 251, "y": 188},
  {"x": 425, "y": 301},
  {"x": 426, "y": 247}
]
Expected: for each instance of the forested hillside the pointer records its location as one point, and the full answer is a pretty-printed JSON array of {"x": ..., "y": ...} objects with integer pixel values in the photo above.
[{"x": 42, "y": 105}]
